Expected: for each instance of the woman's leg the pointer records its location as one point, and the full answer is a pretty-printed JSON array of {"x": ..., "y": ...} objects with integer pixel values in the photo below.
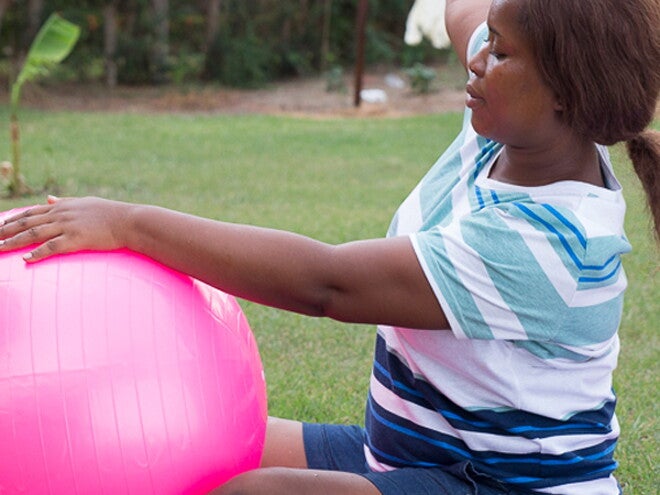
[
  {"x": 292, "y": 481},
  {"x": 283, "y": 469},
  {"x": 337, "y": 460},
  {"x": 284, "y": 445}
]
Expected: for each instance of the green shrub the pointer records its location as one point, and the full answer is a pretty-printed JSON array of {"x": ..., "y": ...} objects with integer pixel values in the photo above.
[
  {"x": 421, "y": 78},
  {"x": 244, "y": 62},
  {"x": 334, "y": 80},
  {"x": 133, "y": 60},
  {"x": 186, "y": 67}
]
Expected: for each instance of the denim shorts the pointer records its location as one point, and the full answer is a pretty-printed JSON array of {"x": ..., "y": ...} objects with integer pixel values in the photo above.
[{"x": 341, "y": 448}]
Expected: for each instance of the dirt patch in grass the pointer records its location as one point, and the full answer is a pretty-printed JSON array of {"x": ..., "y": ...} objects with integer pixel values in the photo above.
[{"x": 301, "y": 96}]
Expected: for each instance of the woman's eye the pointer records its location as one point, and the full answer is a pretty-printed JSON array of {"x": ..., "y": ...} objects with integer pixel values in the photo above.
[
  {"x": 491, "y": 49},
  {"x": 497, "y": 55}
]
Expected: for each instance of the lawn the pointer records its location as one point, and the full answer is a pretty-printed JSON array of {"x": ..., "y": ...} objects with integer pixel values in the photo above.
[{"x": 336, "y": 180}]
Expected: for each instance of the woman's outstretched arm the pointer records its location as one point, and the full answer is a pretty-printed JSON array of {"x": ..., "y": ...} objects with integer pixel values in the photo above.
[{"x": 370, "y": 281}]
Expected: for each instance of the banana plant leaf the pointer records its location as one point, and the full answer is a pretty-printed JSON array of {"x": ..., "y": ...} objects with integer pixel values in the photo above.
[{"x": 53, "y": 43}]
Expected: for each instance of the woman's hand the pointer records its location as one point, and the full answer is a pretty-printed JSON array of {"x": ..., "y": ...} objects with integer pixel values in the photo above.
[{"x": 64, "y": 226}]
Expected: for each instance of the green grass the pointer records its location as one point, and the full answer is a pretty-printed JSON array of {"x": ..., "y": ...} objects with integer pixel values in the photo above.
[
  {"x": 636, "y": 380},
  {"x": 335, "y": 180}
]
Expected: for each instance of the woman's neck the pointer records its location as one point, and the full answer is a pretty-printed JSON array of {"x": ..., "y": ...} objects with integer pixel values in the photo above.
[{"x": 542, "y": 166}]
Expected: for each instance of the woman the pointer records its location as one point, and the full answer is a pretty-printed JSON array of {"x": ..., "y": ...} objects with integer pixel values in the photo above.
[{"x": 498, "y": 290}]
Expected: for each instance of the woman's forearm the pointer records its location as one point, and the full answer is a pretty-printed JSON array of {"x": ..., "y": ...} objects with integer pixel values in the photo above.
[
  {"x": 461, "y": 19},
  {"x": 268, "y": 266}
]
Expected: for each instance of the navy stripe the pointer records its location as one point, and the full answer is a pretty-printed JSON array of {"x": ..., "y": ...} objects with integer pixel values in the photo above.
[
  {"x": 395, "y": 376},
  {"x": 395, "y": 461},
  {"x": 380, "y": 371},
  {"x": 401, "y": 443},
  {"x": 410, "y": 443}
]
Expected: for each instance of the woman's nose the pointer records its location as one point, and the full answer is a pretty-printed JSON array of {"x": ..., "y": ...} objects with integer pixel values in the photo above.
[{"x": 477, "y": 63}]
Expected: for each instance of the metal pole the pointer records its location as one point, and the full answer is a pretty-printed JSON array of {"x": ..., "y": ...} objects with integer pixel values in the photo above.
[{"x": 360, "y": 26}]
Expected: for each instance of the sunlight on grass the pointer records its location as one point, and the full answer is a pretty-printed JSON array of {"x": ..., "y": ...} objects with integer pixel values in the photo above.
[{"x": 335, "y": 180}]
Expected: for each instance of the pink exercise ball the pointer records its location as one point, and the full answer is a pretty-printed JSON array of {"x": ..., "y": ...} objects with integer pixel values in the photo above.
[{"x": 121, "y": 376}]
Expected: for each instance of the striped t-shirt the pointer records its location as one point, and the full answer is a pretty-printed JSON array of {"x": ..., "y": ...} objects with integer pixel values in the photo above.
[{"x": 531, "y": 282}]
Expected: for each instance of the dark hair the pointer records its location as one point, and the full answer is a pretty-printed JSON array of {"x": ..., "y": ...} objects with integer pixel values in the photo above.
[
  {"x": 602, "y": 60},
  {"x": 644, "y": 151}
]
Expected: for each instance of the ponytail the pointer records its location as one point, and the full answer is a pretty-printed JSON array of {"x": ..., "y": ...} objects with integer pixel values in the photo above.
[{"x": 644, "y": 152}]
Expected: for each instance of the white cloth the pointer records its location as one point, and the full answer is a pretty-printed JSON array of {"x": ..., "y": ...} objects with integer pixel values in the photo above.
[{"x": 427, "y": 19}]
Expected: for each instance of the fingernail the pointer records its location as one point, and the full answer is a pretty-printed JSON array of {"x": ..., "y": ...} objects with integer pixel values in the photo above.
[{"x": 27, "y": 256}]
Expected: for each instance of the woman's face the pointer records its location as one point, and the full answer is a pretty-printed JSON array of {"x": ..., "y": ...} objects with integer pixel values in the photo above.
[{"x": 510, "y": 102}]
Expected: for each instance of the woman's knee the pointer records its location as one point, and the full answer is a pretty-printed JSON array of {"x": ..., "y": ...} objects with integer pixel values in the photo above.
[
  {"x": 256, "y": 482},
  {"x": 284, "y": 444}
]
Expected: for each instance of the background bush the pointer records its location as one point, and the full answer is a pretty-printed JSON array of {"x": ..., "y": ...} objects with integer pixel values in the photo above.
[{"x": 257, "y": 41}]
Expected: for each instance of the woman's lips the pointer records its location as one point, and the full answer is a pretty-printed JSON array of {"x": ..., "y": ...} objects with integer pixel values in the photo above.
[{"x": 472, "y": 98}]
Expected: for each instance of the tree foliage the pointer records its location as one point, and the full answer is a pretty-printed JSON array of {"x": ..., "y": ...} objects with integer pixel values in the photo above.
[{"x": 235, "y": 42}]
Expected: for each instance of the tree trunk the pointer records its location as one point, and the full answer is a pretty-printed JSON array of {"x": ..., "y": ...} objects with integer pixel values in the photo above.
[
  {"x": 17, "y": 186},
  {"x": 4, "y": 4},
  {"x": 161, "y": 48},
  {"x": 35, "y": 7},
  {"x": 360, "y": 28},
  {"x": 212, "y": 23},
  {"x": 110, "y": 39},
  {"x": 325, "y": 34}
]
